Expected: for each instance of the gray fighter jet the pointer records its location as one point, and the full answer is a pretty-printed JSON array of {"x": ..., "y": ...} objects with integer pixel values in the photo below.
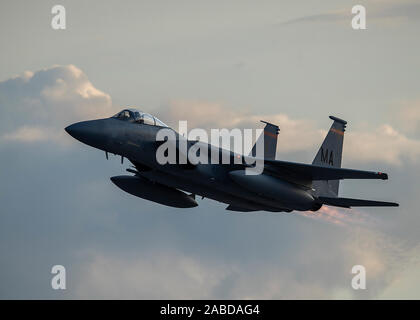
[{"x": 282, "y": 187}]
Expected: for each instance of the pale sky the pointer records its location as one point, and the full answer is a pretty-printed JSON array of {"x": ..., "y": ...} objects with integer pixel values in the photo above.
[{"x": 213, "y": 63}]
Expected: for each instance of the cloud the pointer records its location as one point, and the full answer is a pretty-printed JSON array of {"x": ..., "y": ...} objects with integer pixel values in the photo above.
[
  {"x": 38, "y": 105},
  {"x": 137, "y": 249},
  {"x": 27, "y": 134},
  {"x": 149, "y": 276},
  {"x": 409, "y": 116},
  {"x": 386, "y": 12},
  {"x": 179, "y": 276},
  {"x": 318, "y": 269},
  {"x": 383, "y": 144},
  {"x": 403, "y": 286},
  {"x": 322, "y": 17},
  {"x": 295, "y": 134},
  {"x": 339, "y": 216}
]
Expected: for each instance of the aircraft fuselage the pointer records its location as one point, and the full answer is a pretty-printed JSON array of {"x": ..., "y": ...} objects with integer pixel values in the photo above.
[{"x": 224, "y": 183}]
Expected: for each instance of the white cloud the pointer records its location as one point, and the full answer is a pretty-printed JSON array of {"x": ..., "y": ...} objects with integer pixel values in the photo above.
[
  {"x": 311, "y": 271},
  {"x": 403, "y": 286},
  {"x": 295, "y": 134},
  {"x": 178, "y": 276},
  {"x": 409, "y": 116},
  {"x": 33, "y": 134},
  {"x": 315, "y": 269},
  {"x": 36, "y": 106},
  {"x": 160, "y": 275},
  {"x": 27, "y": 134},
  {"x": 383, "y": 144}
]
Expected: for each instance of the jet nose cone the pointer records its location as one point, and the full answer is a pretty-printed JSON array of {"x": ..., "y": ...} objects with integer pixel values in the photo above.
[
  {"x": 76, "y": 130},
  {"x": 70, "y": 129},
  {"x": 89, "y": 132}
]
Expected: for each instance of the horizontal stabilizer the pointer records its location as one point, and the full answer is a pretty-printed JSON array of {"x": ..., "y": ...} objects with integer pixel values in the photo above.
[
  {"x": 315, "y": 172},
  {"x": 348, "y": 202}
]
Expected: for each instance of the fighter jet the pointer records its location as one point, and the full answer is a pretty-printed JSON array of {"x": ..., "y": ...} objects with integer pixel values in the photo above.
[{"x": 281, "y": 187}]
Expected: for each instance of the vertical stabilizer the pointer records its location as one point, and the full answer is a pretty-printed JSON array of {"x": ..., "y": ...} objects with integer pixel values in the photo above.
[
  {"x": 329, "y": 155},
  {"x": 270, "y": 134}
]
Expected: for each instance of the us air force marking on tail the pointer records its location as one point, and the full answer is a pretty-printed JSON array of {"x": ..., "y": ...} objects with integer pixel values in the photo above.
[{"x": 171, "y": 169}]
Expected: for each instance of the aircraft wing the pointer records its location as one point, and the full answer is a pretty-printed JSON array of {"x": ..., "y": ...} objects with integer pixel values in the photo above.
[{"x": 314, "y": 172}]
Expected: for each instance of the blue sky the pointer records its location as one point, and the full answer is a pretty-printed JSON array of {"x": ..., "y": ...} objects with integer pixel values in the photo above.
[{"x": 215, "y": 64}]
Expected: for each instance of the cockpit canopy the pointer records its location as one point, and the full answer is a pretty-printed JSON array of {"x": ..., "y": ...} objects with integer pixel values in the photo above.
[{"x": 137, "y": 116}]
